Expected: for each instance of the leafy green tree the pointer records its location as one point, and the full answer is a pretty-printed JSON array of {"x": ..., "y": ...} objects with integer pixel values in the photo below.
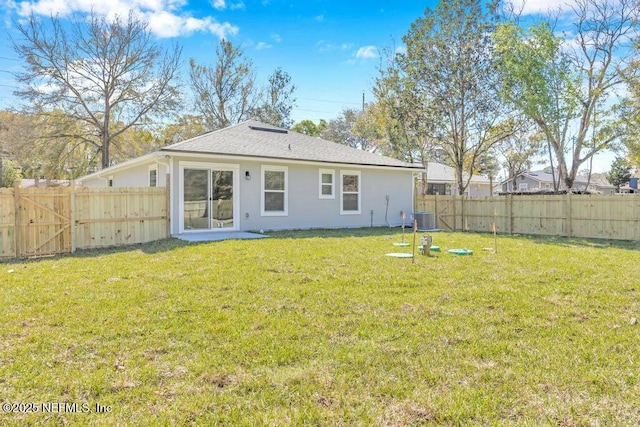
[
  {"x": 518, "y": 150},
  {"x": 183, "y": 127},
  {"x": 629, "y": 110},
  {"x": 343, "y": 130},
  {"x": 106, "y": 75},
  {"x": 569, "y": 89},
  {"x": 224, "y": 93},
  {"x": 10, "y": 172},
  {"x": 620, "y": 172},
  {"x": 405, "y": 123},
  {"x": 278, "y": 101},
  {"x": 45, "y": 146},
  {"x": 308, "y": 127},
  {"x": 489, "y": 166}
]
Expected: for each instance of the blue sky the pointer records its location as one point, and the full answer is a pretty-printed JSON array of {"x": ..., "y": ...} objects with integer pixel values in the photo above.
[{"x": 331, "y": 48}]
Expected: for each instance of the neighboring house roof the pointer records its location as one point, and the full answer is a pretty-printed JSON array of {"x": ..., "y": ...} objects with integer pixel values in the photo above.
[
  {"x": 255, "y": 139},
  {"x": 547, "y": 178},
  {"x": 437, "y": 172}
]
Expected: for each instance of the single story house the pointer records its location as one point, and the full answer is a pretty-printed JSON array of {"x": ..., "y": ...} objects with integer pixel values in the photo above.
[
  {"x": 253, "y": 176},
  {"x": 441, "y": 179},
  {"x": 532, "y": 181}
]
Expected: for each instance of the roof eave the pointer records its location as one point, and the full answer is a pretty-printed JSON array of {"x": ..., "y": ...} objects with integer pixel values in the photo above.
[{"x": 285, "y": 159}]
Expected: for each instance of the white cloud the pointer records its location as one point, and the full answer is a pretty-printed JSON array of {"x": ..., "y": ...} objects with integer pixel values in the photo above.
[
  {"x": 276, "y": 37},
  {"x": 319, "y": 18},
  {"x": 237, "y": 6},
  {"x": 164, "y": 16},
  {"x": 400, "y": 50},
  {"x": 219, "y": 4},
  {"x": 367, "y": 52},
  {"x": 263, "y": 45}
]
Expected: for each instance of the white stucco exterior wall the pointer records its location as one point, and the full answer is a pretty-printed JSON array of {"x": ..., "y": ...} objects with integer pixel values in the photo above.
[{"x": 305, "y": 207}]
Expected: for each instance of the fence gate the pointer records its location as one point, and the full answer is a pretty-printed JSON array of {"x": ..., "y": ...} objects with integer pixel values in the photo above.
[
  {"x": 445, "y": 213},
  {"x": 43, "y": 221}
]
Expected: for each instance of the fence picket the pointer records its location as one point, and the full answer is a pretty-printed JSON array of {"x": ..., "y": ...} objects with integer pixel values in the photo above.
[
  {"x": 45, "y": 221},
  {"x": 585, "y": 216}
]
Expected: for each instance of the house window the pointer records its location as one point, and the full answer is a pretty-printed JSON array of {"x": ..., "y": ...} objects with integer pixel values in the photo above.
[
  {"x": 153, "y": 176},
  {"x": 523, "y": 186},
  {"x": 274, "y": 191},
  {"x": 350, "y": 197},
  {"x": 436, "y": 188},
  {"x": 327, "y": 186},
  {"x": 110, "y": 181}
]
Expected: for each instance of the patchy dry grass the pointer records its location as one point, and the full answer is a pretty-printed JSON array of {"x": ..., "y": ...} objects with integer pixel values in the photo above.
[{"x": 321, "y": 328}]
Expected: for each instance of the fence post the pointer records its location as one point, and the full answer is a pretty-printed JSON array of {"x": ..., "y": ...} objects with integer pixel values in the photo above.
[
  {"x": 72, "y": 207},
  {"x": 568, "y": 214},
  {"x": 455, "y": 216},
  {"x": 510, "y": 198},
  {"x": 168, "y": 204},
  {"x": 16, "y": 218},
  {"x": 463, "y": 219},
  {"x": 435, "y": 209}
]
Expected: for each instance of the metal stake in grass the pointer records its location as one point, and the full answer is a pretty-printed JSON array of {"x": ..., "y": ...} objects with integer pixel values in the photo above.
[
  {"x": 415, "y": 230},
  {"x": 404, "y": 217}
]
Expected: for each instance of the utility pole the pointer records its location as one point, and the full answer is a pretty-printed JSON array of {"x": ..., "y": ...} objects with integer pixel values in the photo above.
[{"x": 363, "y": 101}]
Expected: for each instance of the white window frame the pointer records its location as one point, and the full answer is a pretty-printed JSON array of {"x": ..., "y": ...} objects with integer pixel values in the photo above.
[
  {"x": 331, "y": 172},
  {"x": 271, "y": 168},
  {"x": 342, "y": 193},
  {"x": 523, "y": 186},
  {"x": 110, "y": 181},
  {"x": 152, "y": 168}
]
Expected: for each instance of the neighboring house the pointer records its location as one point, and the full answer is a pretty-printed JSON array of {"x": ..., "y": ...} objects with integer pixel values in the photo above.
[
  {"x": 535, "y": 181},
  {"x": 630, "y": 187},
  {"x": 441, "y": 179},
  {"x": 254, "y": 176}
]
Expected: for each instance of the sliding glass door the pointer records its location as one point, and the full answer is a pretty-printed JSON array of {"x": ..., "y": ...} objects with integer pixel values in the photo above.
[
  {"x": 208, "y": 198},
  {"x": 221, "y": 199},
  {"x": 196, "y": 199}
]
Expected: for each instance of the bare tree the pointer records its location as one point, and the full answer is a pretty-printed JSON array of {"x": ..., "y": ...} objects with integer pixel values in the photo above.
[
  {"x": 107, "y": 75},
  {"x": 225, "y": 94}
]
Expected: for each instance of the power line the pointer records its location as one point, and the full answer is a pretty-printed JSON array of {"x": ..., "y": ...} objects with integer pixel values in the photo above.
[{"x": 9, "y": 59}]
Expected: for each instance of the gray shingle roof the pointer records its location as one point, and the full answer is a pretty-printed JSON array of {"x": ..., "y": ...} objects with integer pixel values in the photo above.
[{"x": 255, "y": 139}]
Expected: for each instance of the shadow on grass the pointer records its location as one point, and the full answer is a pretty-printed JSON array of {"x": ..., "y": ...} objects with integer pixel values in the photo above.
[
  {"x": 338, "y": 233},
  {"x": 170, "y": 244},
  {"x": 158, "y": 246},
  {"x": 572, "y": 242}
]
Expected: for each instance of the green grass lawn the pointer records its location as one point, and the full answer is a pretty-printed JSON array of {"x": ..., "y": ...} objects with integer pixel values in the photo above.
[{"x": 321, "y": 328}]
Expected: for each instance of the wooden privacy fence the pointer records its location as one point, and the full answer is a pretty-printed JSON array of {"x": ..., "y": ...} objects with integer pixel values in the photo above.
[
  {"x": 46, "y": 221},
  {"x": 589, "y": 216}
]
